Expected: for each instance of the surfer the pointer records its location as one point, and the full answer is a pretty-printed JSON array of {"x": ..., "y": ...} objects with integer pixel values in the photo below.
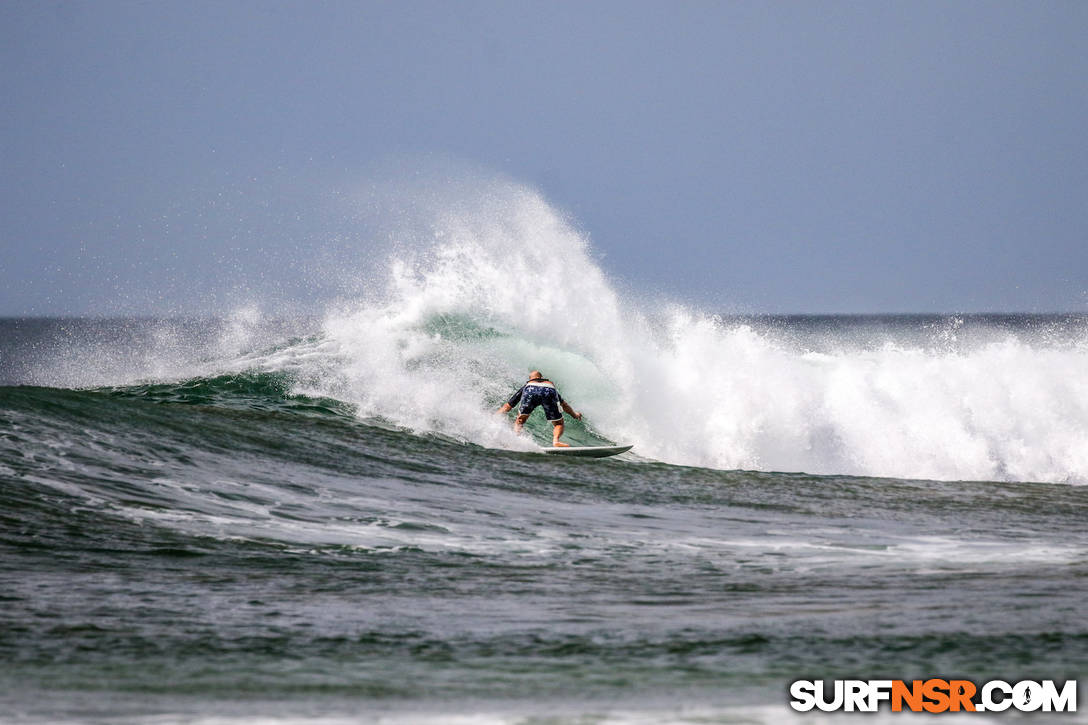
[{"x": 540, "y": 391}]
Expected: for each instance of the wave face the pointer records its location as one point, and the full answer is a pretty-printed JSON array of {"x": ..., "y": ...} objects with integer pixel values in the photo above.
[{"x": 498, "y": 283}]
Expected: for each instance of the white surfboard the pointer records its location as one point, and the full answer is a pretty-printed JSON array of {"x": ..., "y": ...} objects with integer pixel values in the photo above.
[{"x": 588, "y": 451}]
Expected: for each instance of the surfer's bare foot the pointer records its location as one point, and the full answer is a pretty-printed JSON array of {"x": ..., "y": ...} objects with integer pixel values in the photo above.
[{"x": 558, "y": 444}]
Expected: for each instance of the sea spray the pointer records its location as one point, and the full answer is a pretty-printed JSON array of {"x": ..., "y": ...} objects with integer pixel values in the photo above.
[{"x": 685, "y": 386}]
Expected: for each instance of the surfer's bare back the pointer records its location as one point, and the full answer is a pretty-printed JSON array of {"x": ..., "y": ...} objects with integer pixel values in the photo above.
[{"x": 540, "y": 391}]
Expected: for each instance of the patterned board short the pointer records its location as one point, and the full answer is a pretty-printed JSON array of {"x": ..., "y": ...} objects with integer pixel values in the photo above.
[{"x": 535, "y": 395}]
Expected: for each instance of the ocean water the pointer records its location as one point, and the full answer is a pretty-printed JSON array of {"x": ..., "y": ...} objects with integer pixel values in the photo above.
[{"x": 321, "y": 519}]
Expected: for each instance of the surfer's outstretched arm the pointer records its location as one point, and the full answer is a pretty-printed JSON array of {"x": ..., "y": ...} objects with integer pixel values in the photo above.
[
  {"x": 567, "y": 409},
  {"x": 505, "y": 408}
]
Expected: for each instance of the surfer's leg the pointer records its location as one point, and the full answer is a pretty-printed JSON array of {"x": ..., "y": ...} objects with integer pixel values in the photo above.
[
  {"x": 557, "y": 431},
  {"x": 550, "y": 402},
  {"x": 529, "y": 401}
]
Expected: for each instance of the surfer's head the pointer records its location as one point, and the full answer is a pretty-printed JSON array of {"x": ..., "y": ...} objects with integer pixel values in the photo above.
[{"x": 535, "y": 375}]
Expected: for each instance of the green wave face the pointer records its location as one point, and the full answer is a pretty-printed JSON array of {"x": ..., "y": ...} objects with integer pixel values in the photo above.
[{"x": 253, "y": 390}]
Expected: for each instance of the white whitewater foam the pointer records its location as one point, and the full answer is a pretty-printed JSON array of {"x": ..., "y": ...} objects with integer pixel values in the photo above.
[{"x": 681, "y": 385}]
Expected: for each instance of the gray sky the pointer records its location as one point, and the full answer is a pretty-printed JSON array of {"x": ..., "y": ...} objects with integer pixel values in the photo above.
[{"x": 780, "y": 156}]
